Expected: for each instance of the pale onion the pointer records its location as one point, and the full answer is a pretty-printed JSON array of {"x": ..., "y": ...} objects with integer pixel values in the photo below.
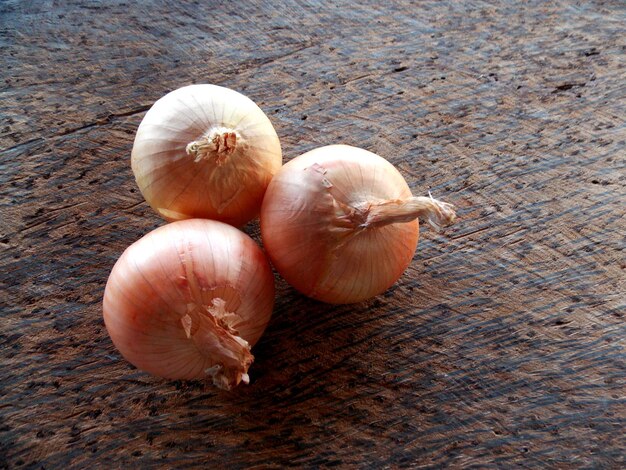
[
  {"x": 340, "y": 223},
  {"x": 205, "y": 151},
  {"x": 189, "y": 300}
]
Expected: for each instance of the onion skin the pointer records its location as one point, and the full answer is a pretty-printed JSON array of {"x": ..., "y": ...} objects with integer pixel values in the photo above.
[
  {"x": 339, "y": 223},
  {"x": 189, "y": 300},
  {"x": 204, "y": 151}
]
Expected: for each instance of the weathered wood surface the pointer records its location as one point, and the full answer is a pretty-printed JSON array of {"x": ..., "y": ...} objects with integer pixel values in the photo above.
[{"x": 503, "y": 345}]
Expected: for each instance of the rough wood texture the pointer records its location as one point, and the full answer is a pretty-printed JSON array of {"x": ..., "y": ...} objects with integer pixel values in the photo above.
[{"x": 503, "y": 345}]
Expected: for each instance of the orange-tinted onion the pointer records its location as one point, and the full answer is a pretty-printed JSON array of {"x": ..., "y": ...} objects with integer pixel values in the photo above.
[
  {"x": 205, "y": 151},
  {"x": 189, "y": 300},
  {"x": 340, "y": 224}
]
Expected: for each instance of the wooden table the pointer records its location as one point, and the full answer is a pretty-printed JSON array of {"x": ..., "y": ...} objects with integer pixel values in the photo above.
[{"x": 503, "y": 343}]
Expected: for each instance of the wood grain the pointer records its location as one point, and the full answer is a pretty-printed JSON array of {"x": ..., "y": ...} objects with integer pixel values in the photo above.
[{"x": 501, "y": 346}]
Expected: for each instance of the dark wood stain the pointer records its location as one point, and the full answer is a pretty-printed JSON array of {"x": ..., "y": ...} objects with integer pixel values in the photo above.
[{"x": 502, "y": 345}]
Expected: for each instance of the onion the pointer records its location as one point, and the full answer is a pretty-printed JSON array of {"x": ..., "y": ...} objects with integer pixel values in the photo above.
[
  {"x": 188, "y": 300},
  {"x": 340, "y": 224},
  {"x": 205, "y": 151}
]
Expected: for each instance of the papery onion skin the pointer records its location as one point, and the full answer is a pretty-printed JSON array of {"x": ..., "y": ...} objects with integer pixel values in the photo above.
[
  {"x": 189, "y": 300},
  {"x": 205, "y": 151},
  {"x": 321, "y": 223}
]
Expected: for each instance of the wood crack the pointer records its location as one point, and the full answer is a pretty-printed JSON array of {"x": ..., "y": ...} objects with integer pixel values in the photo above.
[{"x": 106, "y": 120}]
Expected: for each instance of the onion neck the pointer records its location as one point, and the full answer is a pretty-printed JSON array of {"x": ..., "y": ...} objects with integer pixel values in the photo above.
[
  {"x": 217, "y": 145},
  {"x": 436, "y": 213},
  {"x": 213, "y": 332}
]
